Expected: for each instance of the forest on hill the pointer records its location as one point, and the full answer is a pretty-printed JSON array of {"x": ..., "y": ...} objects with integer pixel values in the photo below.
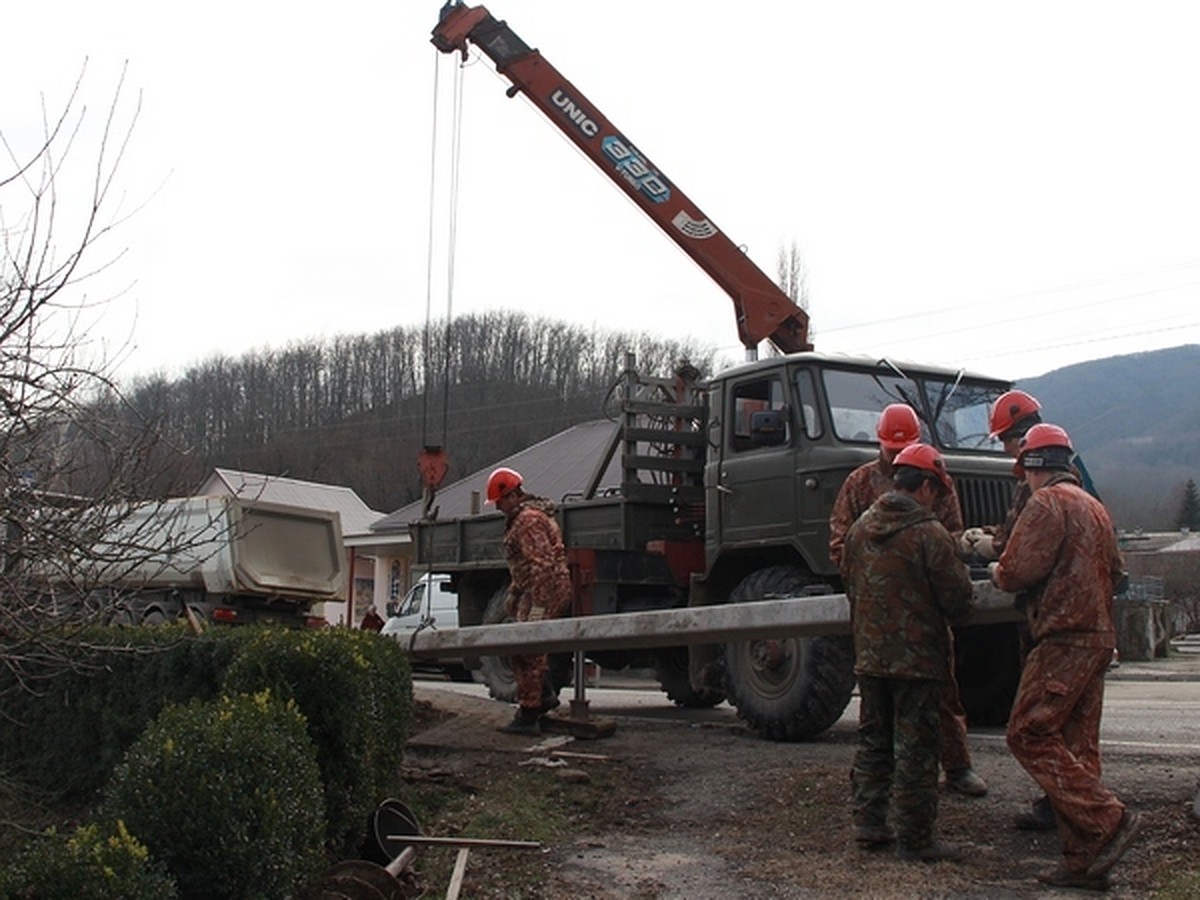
[
  {"x": 356, "y": 410},
  {"x": 1135, "y": 421}
]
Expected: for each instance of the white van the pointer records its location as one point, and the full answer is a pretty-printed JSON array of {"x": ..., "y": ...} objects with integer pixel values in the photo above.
[{"x": 429, "y": 599}]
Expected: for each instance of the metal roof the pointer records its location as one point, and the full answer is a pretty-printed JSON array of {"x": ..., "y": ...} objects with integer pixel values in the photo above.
[
  {"x": 356, "y": 515},
  {"x": 555, "y": 468}
]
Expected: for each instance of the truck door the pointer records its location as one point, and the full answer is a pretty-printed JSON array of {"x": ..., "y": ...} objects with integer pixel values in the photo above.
[{"x": 755, "y": 490}]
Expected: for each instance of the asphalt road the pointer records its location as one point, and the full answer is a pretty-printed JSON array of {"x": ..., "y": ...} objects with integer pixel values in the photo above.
[{"x": 1152, "y": 706}]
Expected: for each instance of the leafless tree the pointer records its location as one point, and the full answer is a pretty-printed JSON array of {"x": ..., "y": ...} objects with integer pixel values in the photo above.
[{"x": 72, "y": 457}]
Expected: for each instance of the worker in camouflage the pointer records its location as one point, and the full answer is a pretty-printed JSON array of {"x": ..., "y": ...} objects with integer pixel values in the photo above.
[
  {"x": 897, "y": 428},
  {"x": 540, "y": 587},
  {"x": 905, "y": 584},
  {"x": 1063, "y": 552},
  {"x": 1009, "y": 420}
]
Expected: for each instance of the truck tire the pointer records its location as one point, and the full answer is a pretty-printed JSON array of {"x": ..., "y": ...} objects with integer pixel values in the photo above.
[
  {"x": 497, "y": 672},
  {"x": 988, "y": 669},
  {"x": 671, "y": 670},
  {"x": 791, "y": 689}
]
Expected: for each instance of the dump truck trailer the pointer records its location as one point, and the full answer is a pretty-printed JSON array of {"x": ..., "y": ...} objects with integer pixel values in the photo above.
[{"x": 229, "y": 560}]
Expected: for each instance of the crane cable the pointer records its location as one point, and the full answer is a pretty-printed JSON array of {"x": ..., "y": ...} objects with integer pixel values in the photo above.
[{"x": 452, "y": 228}]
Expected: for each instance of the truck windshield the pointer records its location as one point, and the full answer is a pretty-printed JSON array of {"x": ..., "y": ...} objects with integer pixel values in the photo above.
[{"x": 957, "y": 409}]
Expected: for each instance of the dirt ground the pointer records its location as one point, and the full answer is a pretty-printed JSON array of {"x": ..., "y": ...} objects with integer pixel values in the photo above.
[{"x": 680, "y": 807}]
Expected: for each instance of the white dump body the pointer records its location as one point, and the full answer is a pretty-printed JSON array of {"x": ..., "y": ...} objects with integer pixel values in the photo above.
[{"x": 226, "y": 546}]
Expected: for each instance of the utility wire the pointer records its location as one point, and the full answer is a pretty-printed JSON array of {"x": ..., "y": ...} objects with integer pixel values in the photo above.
[{"x": 433, "y": 155}]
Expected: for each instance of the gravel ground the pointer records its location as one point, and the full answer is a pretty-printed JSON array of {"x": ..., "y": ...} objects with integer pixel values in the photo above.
[{"x": 711, "y": 810}]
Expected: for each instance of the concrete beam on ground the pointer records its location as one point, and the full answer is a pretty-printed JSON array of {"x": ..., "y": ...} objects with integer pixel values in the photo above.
[{"x": 786, "y": 617}]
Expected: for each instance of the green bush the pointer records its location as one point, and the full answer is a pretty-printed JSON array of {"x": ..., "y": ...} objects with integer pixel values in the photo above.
[
  {"x": 66, "y": 729},
  {"x": 227, "y": 794},
  {"x": 355, "y": 690},
  {"x": 94, "y": 863}
]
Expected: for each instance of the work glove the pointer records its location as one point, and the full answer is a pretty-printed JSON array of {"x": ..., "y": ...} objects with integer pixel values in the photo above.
[
  {"x": 977, "y": 542},
  {"x": 992, "y": 567},
  {"x": 966, "y": 542},
  {"x": 984, "y": 547}
]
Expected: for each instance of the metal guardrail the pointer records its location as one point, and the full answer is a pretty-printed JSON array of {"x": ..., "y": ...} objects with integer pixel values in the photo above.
[{"x": 783, "y": 617}]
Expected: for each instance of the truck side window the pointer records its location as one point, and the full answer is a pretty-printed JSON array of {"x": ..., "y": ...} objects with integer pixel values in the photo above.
[
  {"x": 806, "y": 390},
  {"x": 412, "y": 603},
  {"x": 748, "y": 398},
  {"x": 856, "y": 399}
]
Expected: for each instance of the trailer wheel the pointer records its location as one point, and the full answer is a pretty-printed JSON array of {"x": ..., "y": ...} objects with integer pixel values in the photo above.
[
  {"x": 671, "y": 669},
  {"x": 497, "y": 672},
  {"x": 789, "y": 689}
]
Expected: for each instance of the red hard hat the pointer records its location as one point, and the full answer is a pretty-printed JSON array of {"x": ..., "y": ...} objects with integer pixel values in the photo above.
[
  {"x": 1045, "y": 446},
  {"x": 501, "y": 482},
  {"x": 1009, "y": 409},
  {"x": 898, "y": 426},
  {"x": 922, "y": 456}
]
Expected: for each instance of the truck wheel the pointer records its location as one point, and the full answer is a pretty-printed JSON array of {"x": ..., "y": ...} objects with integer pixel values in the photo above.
[
  {"x": 988, "y": 668},
  {"x": 789, "y": 689},
  {"x": 671, "y": 669},
  {"x": 154, "y": 616},
  {"x": 496, "y": 670}
]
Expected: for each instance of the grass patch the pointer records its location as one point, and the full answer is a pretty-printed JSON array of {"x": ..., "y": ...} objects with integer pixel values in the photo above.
[{"x": 520, "y": 803}]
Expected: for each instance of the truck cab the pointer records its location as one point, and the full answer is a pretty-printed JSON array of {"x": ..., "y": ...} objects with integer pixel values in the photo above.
[{"x": 430, "y": 603}]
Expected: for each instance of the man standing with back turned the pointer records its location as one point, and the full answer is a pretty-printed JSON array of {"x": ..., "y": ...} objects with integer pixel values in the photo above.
[
  {"x": 1063, "y": 552},
  {"x": 904, "y": 582},
  {"x": 540, "y": 587},
  {"x": 897, "y": 428}
]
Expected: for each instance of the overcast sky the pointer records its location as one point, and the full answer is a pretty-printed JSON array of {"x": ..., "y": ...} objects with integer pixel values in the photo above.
[{"x": 1006, "y": 187}]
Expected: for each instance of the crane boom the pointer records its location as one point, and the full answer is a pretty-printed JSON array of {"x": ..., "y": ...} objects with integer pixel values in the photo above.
[{"x": 762, "y": 309}]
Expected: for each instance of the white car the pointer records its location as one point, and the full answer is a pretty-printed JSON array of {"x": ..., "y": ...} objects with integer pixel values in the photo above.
[{"x": 429, "y": 601}]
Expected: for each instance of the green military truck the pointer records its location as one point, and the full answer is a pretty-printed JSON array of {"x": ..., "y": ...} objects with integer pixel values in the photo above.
[
  {"x": 726, "y": 490},
  {"x": 727, "y": 484}
]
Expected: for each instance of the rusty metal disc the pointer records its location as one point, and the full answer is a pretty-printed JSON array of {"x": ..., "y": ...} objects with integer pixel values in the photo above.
[{"x": 362, "y": 880}]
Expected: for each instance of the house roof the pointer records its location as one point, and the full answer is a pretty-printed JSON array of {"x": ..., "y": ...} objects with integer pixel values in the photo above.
[
  {"x": 356, "y": 515},
  {"x": 555, "y": 468}
]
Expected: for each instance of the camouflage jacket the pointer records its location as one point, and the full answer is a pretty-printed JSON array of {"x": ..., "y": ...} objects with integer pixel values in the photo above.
[
  {"x": 1000, "y": 533},
  {"x": 864, "y": 486},
  {"x": 1063, "y": 549},
  {"x": 1021, "y": 496},
  {"x": 537, "y": 561},
  {"x": 905, "y": 584}
]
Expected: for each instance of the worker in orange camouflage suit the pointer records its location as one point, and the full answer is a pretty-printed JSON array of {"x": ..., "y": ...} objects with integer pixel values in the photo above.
[
  {"x": 540, "y": 587},
  {"x": 1063, "y": 552},
  {"x": 905, "y": 584},
  {"x": 1010, "y": 418},
  {"x": 897, "y": 428}
]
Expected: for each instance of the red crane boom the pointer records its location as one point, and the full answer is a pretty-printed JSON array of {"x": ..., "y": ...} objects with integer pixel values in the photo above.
[{"x": 763, "y": 310}]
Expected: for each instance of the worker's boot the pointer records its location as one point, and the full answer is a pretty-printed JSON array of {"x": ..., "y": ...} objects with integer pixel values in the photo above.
[
  {"x": 966, "y": 781},
  {"x": 1039, "y": 817},
  {"x": 550, "y": 700},
  {"x": 524, "y": 722}
]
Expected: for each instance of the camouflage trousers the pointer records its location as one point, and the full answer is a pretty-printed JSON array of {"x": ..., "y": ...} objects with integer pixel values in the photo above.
[
  {"x": 529, "y": 671},
  {"x": 1054, "y": 733},
  {"x": 952, "y": 720},
  {"x": 530, "y": 675},
  {"x": 897, "y": 756}
]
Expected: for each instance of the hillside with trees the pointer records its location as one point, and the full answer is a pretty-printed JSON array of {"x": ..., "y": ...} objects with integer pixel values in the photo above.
[
  {"x": 1135, "y": 420},
  {"x": 356, "y": 410}
]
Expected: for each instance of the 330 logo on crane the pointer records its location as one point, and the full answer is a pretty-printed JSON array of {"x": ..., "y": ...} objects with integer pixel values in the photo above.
[
  {"x": 629, "y": 163},
  {"x": 635, "y": 169}
]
